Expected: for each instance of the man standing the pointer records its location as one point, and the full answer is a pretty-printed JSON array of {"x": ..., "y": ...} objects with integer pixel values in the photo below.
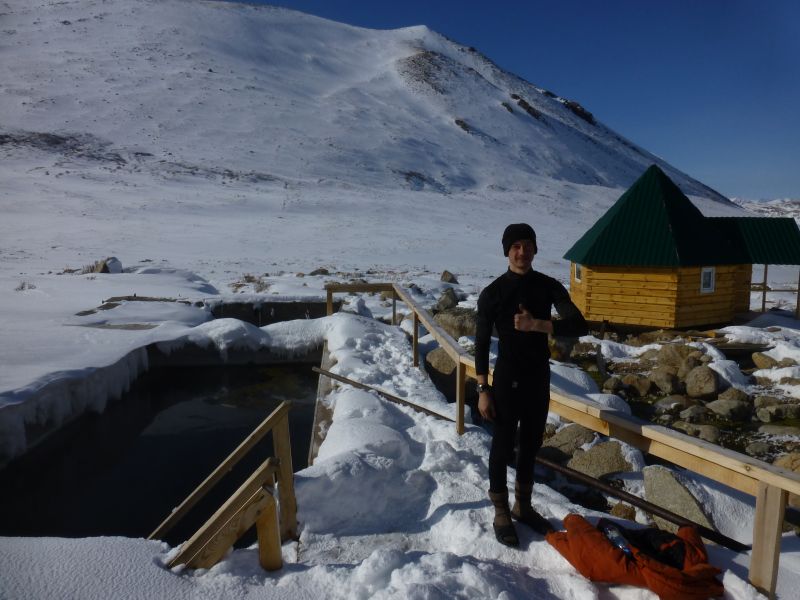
[{"x": 518, "y": 304}]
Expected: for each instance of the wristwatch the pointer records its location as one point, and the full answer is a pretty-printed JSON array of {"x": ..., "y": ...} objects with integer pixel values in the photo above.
[{"x": 483, "y": 387}]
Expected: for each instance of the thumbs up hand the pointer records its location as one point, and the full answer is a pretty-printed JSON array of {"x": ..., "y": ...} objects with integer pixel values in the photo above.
[{"x": 523, "y": 320}]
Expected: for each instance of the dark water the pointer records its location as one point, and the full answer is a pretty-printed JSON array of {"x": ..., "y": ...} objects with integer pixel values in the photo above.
[{"x": 122, "y": 472}]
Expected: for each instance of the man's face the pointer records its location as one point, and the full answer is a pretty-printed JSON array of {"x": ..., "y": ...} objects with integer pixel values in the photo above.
[{"x": 520, "y": 256}]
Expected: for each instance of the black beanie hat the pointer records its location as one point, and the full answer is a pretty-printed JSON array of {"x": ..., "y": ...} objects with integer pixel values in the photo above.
[{"x": 516, "y": 232}]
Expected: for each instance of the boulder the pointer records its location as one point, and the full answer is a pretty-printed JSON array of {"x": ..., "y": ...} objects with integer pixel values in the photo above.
[
  {"x": 561, "y": 446},
  {"x": 689, "y": 363},
  {"x": 666, "y": 379},
  {"x": 694, "y": 414},
  {"x": 613, "y": 384},
  {"x": 457, "y": 321},
  {"x": 786, "y": 362},
  {"x": 733, "y": 393},
  {"x": 779, "y": 430},
  {"x": 639, "y": 385},
  {"x": 447, "y": 300},
  {"x": 664, "y": 487},
  {"x": 438, "y": 361},
  {"x": 762, "y": 361},
  {"x": 790, "y": 462},
  {"x": 448, "y": 277},
  {"x": 778, "y": 412},
  {"x": 623, "y": 511},
  {"x": 731, "y": 410},
  {"x": 708, "y": 433},
  {"x": 764, "y": 401},
  {"x": 672, "y": 355},
  {"x": 320, "y": 271},
  {"x": 601, "y": 459},
  {"x": 702, "y": 382},
  {"x": 758, "y": 449}
]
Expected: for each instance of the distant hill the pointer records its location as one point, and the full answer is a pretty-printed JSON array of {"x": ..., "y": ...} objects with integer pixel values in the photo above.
[{"x": 216, "y": 89}]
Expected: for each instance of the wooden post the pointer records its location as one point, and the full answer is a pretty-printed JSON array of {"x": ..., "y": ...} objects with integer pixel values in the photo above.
[
  {"x": 330, "y": 302},
  {"x": 269, "y": 537},
  {"x": 224, "y": 527},
  {"x": 415, "y": 338},
  {"x": 797, "y": 300},
  {"x": 218, "y": 473},
  {"x": 764, "y": 291},
  {"x": 461, "y": 392},
  {"x": 770, "y": 506},
  {"x": 394, "y": 308},
  {"x": 283, "y": 451}
]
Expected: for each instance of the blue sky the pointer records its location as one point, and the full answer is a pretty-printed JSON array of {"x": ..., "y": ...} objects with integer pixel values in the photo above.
[{"x": 711, "y": 86}]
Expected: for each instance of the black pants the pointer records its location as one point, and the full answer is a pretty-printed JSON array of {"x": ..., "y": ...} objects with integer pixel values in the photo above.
[{"x": 518, "y": 402}]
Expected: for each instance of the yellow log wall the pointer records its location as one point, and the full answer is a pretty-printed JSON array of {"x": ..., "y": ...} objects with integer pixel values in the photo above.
[{"x": 659, "y": 297}]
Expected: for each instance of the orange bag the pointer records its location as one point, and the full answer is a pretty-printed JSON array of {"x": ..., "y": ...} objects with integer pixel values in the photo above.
[{"x": 596, "y": 558}]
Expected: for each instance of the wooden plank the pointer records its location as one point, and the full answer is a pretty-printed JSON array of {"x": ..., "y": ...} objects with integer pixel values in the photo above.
[
  {"x": 240, "y": 497},
  {"x": 617, "y": 310},
  {"x": 767, "y": 530},
  {"x": 329, "y": 302},
  {"x": 358, "y": 287},
  {"x": 218, "y": 473},
  {"x": 283, "y": 452},
  {"x": 611, "y": 285},
  {"x": 445, "y": 340},
  {"x": 632, "y": 298},
  {"x": 461, "y": 394},
  {"x": 647, "y": 277},
  {"x": 627, "y": 270},
  {"x": 653, "y": 321},
  {"x": 269, "y": 537},
  {"x": 415, "y": 339},
  {"x": 721, "y": 457}
]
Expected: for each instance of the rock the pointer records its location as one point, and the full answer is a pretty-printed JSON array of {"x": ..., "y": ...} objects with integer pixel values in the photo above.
[
  {"x": 613, "y": 384},
  {"x": 733, "y": 393},
  {"x": 583, "y": 350},
  {"x": 790, "y": 462},
  {"x": 447, "y": 300},
  {"x": 790, "y": 381},
  {"x": 666, "y": 379},
  {"x": 108, "y": 265},
  {"x": 694, "y": 414},
  {"x": 561, "y": 347},
  {"x": 457, "y": 321},
  {"x": 673, "y": 404},
  {"x": 561, "y": 446},
  {"x": 779, "y": 430},
  {"x": 702, "y": 382},
  {"x": 320, "y": 271},
  {"x": 601, "y": 459},
  {"x": 778, "y": 412},
  {"x": 689, "y": 363},
  {"x": 764, "y": 401},
  {"x": 664, "y": 487},
  {"x": 786, "y": 362},
  {"x": 623, "y": 511},
  {"x": 638, "y": 384},
  {"x": 448, "y": 277},
  {"x": 732, "y": 410},
  {"x": 762, "y": 361},
  {"x": 708, "y": 433},
  {"x": 439, "y": 361},
  {"x": 758, "y": 449},
  {"x": 673, "y": 355}
]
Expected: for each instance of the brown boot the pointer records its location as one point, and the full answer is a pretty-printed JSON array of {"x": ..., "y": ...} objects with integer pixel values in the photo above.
[
  {"x": 524, "y": 512},
  {"x": 503, "y": 527}
]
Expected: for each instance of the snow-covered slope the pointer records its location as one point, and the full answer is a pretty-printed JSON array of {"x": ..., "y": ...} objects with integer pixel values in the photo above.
[{"x": 182, "y": 88}]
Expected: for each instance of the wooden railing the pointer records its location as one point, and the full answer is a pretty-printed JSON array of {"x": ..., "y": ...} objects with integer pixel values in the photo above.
[
  {"x": 252, "y": 504},
  {"x": 769, "y": 485}
]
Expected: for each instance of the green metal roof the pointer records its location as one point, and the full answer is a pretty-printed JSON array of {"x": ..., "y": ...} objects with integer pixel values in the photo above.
[
  {"x": 654, "y": 224},
  {"x": 767, "y": 240}
]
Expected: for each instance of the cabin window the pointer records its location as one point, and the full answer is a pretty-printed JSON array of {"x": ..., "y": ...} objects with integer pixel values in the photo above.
[
  {"x": 578, "y": 272},
  {"x": 707, "y": 280}
]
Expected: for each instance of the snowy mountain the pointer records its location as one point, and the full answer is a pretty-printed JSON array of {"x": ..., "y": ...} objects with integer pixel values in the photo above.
[
  {"x": 780, "y": 207},
  {"x": 187, "y": 89}
]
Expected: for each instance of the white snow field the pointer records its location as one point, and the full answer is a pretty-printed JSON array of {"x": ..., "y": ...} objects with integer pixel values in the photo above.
[{"x": 203, "y": 142}]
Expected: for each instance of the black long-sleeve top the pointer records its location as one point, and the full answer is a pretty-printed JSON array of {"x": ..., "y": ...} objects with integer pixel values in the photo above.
[{"x": 522, "y": 351}]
